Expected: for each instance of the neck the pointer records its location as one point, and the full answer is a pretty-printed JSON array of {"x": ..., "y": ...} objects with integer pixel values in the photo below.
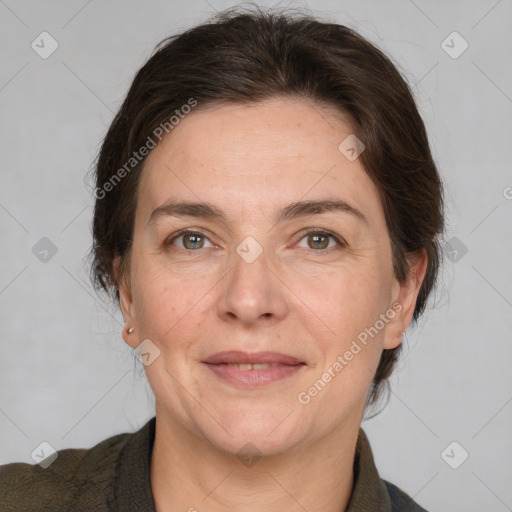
[{"x": 189, "y": 474}]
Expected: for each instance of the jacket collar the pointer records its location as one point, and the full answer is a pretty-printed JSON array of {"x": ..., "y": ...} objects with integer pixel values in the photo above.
[
  {"x": 369, "y": 491},
  {"x": 133, "y": 481}
]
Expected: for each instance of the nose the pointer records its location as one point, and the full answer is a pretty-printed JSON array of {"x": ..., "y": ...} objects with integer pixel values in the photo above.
[{"x": 252, "y": 292}]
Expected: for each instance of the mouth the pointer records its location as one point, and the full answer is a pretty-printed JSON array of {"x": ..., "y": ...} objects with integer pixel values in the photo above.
[{"x": 250, "y": 370}]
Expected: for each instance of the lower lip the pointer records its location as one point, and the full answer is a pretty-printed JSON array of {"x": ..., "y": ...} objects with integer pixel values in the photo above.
[{"x": 253, "y": 378}]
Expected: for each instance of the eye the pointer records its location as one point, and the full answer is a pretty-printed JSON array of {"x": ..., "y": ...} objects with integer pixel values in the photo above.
[
  {"x": 317, "y": 239},
  {"x": 191, "y": 240},
  {"x": 194, "y": 240}
]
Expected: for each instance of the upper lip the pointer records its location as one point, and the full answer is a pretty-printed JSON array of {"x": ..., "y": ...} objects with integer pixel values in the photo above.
[{"x": 237, "y": 356}]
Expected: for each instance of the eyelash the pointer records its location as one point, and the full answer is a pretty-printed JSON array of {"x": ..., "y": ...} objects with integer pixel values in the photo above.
[{"x": 313, "y": 231}]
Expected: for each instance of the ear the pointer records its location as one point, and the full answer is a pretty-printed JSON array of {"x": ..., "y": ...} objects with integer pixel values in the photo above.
[
  {"x": 404, "y": 299},
  {"x": 126, "y": 303}
]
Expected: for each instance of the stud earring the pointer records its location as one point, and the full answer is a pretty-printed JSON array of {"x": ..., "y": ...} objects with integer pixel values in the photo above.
[{"x": 130, "y": 330}]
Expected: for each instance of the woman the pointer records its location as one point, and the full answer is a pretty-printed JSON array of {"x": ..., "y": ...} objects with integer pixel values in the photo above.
[{"x": 267, "y": 217}]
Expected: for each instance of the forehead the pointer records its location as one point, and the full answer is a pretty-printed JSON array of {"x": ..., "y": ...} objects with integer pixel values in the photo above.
[{"x": 256, "y": 155}]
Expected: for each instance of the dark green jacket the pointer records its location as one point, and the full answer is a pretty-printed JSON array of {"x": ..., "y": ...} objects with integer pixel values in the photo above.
[{"x": 114, "y": 476}]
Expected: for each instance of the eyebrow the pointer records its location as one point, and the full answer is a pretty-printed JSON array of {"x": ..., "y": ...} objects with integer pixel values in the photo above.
[{"x": 295, "y": 210}]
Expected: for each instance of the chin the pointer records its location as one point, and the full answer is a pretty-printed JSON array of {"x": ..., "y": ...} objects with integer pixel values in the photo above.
[{"x": 263, "y": 432}]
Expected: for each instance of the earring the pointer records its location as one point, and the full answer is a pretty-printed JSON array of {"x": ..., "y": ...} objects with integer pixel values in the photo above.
[
  {"x": 130, "y": 330},
  {"x": 402, "y": 334}
]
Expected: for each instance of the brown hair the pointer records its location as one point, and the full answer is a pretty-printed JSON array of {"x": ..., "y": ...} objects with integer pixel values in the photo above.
[{"x": 247, "y": 56}]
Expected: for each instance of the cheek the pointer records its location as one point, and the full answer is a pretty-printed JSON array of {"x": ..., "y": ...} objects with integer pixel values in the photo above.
[
  {"x": 169, "y": 305},
  {"x": 348, "y": 304},
  {"x": 347, "y": 338},
  {"x": 345, "y": 301}
]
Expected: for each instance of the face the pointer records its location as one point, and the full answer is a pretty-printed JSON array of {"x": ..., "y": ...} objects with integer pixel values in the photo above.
[{"x": 261, "y": 275}]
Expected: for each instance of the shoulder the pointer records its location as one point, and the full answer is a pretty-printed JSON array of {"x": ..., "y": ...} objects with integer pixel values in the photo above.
[
  {"x": 400, "y": 501},
  {"x": 76, "y": 475}
]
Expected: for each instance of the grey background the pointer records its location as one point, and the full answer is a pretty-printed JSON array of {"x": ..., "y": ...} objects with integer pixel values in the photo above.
[{"x": 66, "y": 375}]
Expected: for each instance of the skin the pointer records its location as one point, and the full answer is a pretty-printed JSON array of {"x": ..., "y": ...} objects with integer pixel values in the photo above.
[{"x": 302, "y": 297}]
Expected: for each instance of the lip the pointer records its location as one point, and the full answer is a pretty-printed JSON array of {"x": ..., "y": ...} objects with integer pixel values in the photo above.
[
  {"x": 283, "y": 366},
  {"x": 237, "y": 356},
  {"x": 254, "y": 378}
]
